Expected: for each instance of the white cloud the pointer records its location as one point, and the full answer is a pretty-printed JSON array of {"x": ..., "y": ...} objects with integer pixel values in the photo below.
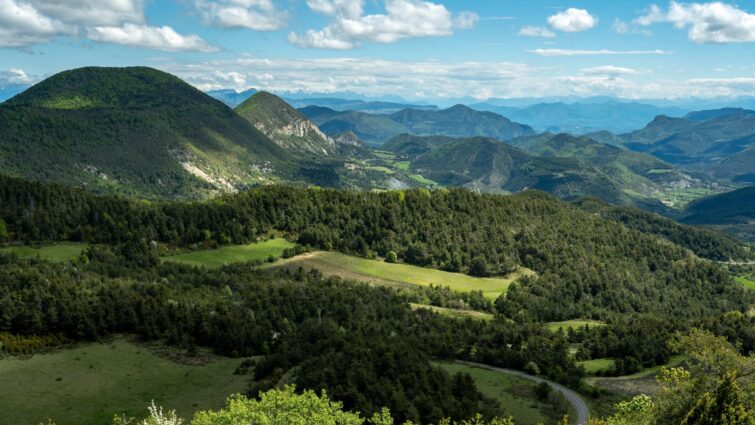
[
  {"x": 429, "y": 80},
  {"x": 403, "y": 19},
  {"x": 572, "y": 20},
  {"x": 714, "y": 22},
  {"x": 530, "y": 31},
  {"x": 14, "y": 76},
  {"x": 258, "y": 15},
  {"x": 623, "y": 28},
  {"x": 28, "y": 22},
  {"x": 569, "y": 52},
  {"x": 610, "y": 71}
]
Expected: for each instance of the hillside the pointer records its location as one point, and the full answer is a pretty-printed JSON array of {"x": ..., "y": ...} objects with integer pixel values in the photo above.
[
  {"x": 563, "y": 165},
  {"x": 284, "y": 125},
  {"x": 583, "y": 117},
  {"x": 376, "y": 129},
  {"x": 732, "y": 212},
  {"x": 135, "y": 131},
  {"x": 700, "y": 141}
]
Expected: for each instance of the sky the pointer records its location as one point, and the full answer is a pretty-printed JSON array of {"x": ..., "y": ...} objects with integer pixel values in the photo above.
[{"x": 421, "y": 50}]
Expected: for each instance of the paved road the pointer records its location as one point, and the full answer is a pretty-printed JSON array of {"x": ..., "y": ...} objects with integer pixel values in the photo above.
[{"x": 572, "y": 397}]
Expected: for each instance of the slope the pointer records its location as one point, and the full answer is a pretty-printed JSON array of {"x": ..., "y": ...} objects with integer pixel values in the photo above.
[
  {"x": 284, "y": 125},
  {"x": 732, "y": 212},
  {"x": 135, "y": 131}
]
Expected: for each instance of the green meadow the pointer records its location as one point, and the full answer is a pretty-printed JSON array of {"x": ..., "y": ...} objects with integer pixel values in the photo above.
[
  {"x": 746, "y": 282},
  {"x": 596, "y": 365},
  {"x": 57, "y": 253},
  {"x": 455, "y": 313},
  {"x": 515, "y": 395},
  {"x": 572, "y": 324},
  {"x": 215, "y": 258},
  {"x": 87, "y": 385},
  {"x": 380, "y": 272}
]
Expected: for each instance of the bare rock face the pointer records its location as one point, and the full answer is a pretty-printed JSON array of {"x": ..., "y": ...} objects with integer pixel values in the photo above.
[{"x": 285, "y": 126}]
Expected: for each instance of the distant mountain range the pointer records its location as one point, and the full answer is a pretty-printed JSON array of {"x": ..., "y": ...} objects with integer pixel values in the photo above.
[
  {"x": 457, "y": 121},
  {"x": 581, "y": 118}
]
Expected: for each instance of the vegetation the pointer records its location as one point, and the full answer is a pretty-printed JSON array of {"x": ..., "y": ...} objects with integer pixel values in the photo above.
[
  {"x": 572, "y": 324},
  {"x": 381, "y": 272},
  {"x": 214, "y": 258},
  {"x": 88, "y": 384},
  {"x": 746, "y": 282},
  {"x": 57, "y": 253}
]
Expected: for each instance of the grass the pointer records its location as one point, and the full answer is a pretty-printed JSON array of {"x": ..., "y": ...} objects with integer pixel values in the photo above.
[
  {"x": 746, "y": 282},
  {"x": 573, "y": 324},
  {"x": 215, "y": 258},
  {"x": 382, "y": 169},
  {"x": 89, "y": 384},
  {"x": 382, "y": 273},
  {"x": 402, "y": 165},
  {"x": 516, "y": 395},
  {"x": 57, "y": 253},
  {"x": 642, "y": 382},
  {"x": 423, "y": 180},
  {"x": 596, "y": 365},
  {"x": 455, "y": 313}
]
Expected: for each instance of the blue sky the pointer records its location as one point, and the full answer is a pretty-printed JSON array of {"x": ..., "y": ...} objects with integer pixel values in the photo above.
[{"x": 417, "y": 49}]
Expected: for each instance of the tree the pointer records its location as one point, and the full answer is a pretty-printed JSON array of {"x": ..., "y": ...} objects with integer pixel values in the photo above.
[
  {"x": 3, "y": 231},
  {"x": 479, "y": 267},
  {"x": 391, "y": 257}
]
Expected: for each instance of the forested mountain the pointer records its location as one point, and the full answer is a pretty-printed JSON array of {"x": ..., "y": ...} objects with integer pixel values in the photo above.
[
  {"x": 583, "y": 117},
  {"x": 563, "y": 165},
  {"x": 703, "y": 141},
  {"x": 285, "y": 126},
  {"x": 457, "y": 121},
  {"x": 587, "y": 266},
  {"x": 732, "y": 212},
  {"x": 134, "y": 131}
]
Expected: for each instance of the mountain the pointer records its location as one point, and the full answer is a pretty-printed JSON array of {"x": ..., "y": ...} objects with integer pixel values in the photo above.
[
  {"x": 583, "y": 117},
  {"x": 135, "y": 131},
  {"x": 372, "y": 107},
  {"x": 489, "y": 165},
  {"x": 732, "y": 212},
  {"x": 230, "y": 97},
  {"x": 375, "y": 129},
  {"x": 284, "y": 125},
  {"x": 706, "y": 141}
]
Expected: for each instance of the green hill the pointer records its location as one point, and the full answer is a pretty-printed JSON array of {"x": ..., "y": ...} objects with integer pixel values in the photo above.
[
  {"x": 376, "y": 129},
  {"x": 285, "y": 126},
  {"x": 134, "y": 131},
  {"x": 732, "y": 212}
]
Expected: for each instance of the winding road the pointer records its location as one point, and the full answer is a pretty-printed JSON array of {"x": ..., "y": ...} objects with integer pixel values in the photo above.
[{"x": 572, "y": 397}]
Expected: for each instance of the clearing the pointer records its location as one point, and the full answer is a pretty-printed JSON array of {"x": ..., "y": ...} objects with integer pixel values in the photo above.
[
  {"x": 746, "y": 282},
  {"x": 215, "y": 258},
  {"x": 88, "y": 384},
  {"x": 642, "y": 382},
  {"x": 455, "y": 313},
  {"x": 573, "y": 324},
  {"x": 516, "y": 395},
  {"x": 382, "y": 273},
  {"x": 57, "y": 253}
]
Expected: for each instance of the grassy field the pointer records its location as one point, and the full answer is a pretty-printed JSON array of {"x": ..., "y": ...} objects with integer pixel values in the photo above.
[
  {"x": 420, "y": 179},
  {"x": 573, "y": 324},
  {"x": 596, "y": 365},
  {"x": 58, "y": 253},
  {"x": 642, "y": 382},
  {"x": 515, "y": 394},
  {"x": 746, "y": 282},
  {"x": 452, "y": 312},
  {"x": 382, "y": 273},
  {"x": 214, "y": 258},
  {"x": 89, "y": 384},
  {"x": 402, "y": 165}
]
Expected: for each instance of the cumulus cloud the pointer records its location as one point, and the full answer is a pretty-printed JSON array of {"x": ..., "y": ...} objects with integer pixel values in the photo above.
[
  {"x": 14, "y": 76},
  {"x": 158, "y": 38},
  {"x": 572, "y": 20},
  {"x": 530, "y": 31},
  {"x": 429, "y": 80},
  {"x": 258, "y": 15},
  {"x": 402, "y": 19},
  {"x": 570, "y": 52},
  {"x": 28, "y": 22},
  {"x": 714, "y": 22}
]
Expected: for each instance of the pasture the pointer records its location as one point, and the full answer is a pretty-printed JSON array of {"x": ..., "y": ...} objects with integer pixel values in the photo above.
[
  {"x": 572, "y": 324},
  {"x": 87, "y": 385},
  {"x": 515, "y": 395},
  {"x": 215, "y": 258},
  {"x": 57, "y": 253},
  {"x": 455, "y": 313},
  {"x": 382, "y": 273}
]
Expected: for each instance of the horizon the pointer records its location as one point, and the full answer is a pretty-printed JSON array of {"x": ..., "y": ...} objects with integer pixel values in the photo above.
[{"x": 462, "y": 53}]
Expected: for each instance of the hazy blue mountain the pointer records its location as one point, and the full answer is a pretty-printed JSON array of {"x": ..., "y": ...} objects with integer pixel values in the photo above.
[
  {"x": 373, "y": 107},
  {"x": 231, "y": 97},
  {"x": 581, "y": 118}
]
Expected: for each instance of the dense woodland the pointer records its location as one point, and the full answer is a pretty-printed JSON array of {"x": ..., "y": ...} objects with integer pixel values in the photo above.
[{"x": 587, "y": 266}]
